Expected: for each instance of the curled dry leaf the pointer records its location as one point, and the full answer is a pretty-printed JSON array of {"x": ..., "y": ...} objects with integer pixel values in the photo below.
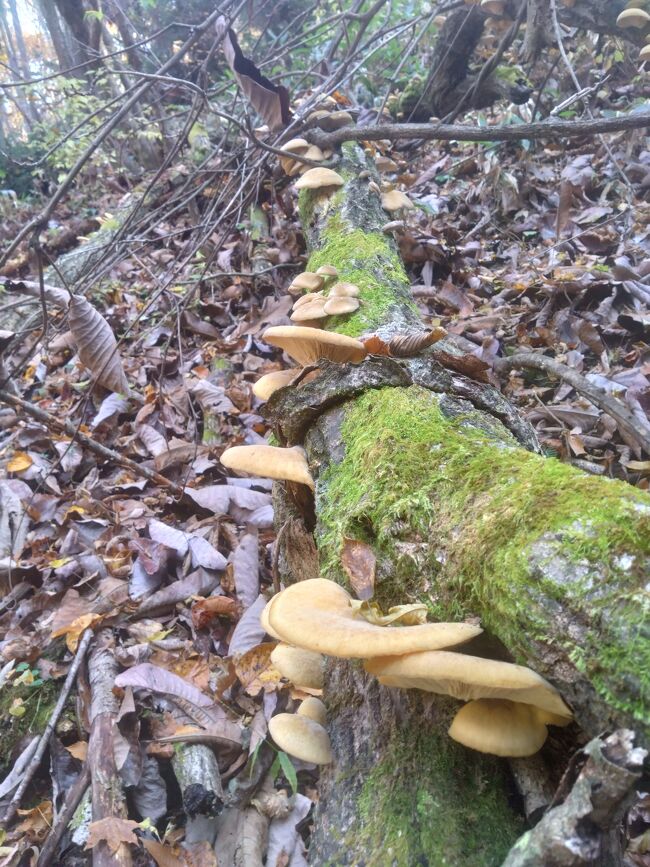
[
  {"x": 406, "y": 345},
  {"x": 270, "y": 101},
  {"x": 408, "y": 615},
  {"x": 256, "y": 671},
  {"x": 96, "y": 345},
  {"x": 205, "y": 610},
  {"x": 359, "y": 562},
  {"x": 73, "y": 631},
  {"x": 469, "y": 365}
]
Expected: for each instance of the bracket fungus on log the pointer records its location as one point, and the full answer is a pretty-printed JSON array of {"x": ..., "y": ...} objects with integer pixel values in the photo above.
[
  {"x": 316, "y": 614},
  {"x": 469, "y": 677},
  {"x": 501, "y": 727},
  {"x": 319, "y": 178},
  {"x": 302, "y": 737},
  {"x": 271, "y": 462},
  {"x": 307, "y": 345},
  {"x": 302, "y": 667}
]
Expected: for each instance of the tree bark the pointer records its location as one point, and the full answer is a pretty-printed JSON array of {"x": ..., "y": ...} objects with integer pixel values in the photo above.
[{"x": 428, "y": 468}]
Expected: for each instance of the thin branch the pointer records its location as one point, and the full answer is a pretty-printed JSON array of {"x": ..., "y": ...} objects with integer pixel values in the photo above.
[
  {"x": 72, "y": 801},
  {"x": 53, "y": 423},
  {"x": 462, "y": 132},
  {"x": 631, "y": 424}
]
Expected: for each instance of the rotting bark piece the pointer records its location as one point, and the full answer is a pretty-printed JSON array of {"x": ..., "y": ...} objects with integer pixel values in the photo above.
[
  {"x": 317, "y": 615},
  {"x": 107, "y": 795}
]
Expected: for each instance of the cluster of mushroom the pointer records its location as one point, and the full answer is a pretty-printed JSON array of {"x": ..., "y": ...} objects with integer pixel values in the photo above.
[
  {"x": 306, "y": 346},
  {"x": 509, "y": 706},
  {"x": 314, "y": 306},
  {"x": 635, "y": 16},
  {"x": 302, "y": 734}
]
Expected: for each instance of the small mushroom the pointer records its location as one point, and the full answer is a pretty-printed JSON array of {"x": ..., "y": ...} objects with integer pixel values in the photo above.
[
  {"x": 270, "y": 382},
  {"x": 396, "y": 200},
  {"x": 374, "y": 188},
  {"x": 338, "y": 306},
  {"x": 307, "y": 345},
  {"x": 467, "y": 677},
  {"x": 306, "y": 298},
  {"x": 270, "y": 462},
  {"x": 296, "y": 146},
  {"x": 644, "y": 54},
  {"x": 346, "y": 290},
  {"x": 499, "y": 727},
  {"x": 331, "y": 120},
  {"x": 633, "y": 18},
  {"x": 307, "y": 280},
  {"x": 302, "y": 667},
  {"x": 327, "y": 271},
  {"x": 313, "y": 708},
  {"x": 493, "y": 7},
  {"x": 310, "y": 311},
  {"x": 386, "y": 164},
  {"x": 316, "y": 614},
  {"x": 319, "y": 178},
  {"x": 302, "y": 737}
]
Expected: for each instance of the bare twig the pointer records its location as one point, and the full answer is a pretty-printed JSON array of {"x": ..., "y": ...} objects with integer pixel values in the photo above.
[
  {"x": 53, "y": 423},
  {"x": 72, "y": 801},
  {"x": 14, "y": 804},
  {"x": 462, "y": 132},
  {"x": 634, "y": 427}
]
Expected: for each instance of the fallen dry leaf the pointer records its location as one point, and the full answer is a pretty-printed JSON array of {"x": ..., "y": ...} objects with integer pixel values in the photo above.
[
  {"x": 255, "y": 670},
  {"x": 113, "y": 831},
  {"x": 359, "y": 562},
  {"x": 74, "y": 630}
]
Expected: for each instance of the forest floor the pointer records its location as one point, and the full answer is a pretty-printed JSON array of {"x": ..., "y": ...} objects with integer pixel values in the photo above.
[{"x": 532, "y": 247}]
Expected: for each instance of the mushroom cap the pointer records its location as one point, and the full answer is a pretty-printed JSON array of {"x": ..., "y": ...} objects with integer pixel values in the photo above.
[
  {"x": 338, "y": 305},
  {"x": 313, "y": 708},
  {"x": 313, "y": 152},
  {"x": 319, "y": 177},
  {"x": 499, "y": 727},
  {"x": 385, "y": 164},
  {"x": 468, "y": 677},
  {"x": 327, "y": 271},
  {"x": 633, "y": 18},
  {"x": 331, "y": 120},
  {"x": 302, "y": 667},
  {"x": 307, "y": 345},
  {"x": 270, "y": 462},
  {"x": 296, "y": 145},
  {"x": 644, "y": 54},
  {"x": 270, "y": 382},
  {"x": 308, "y": 296},
  {"x": 316, "y": 614},
  {"x": 492, "y": 7},
  {"x": 300, "y": 736},
  {"x": 394, "y": 200},
  {"x": 310, "y": 310},
  {"x": 347, "y": 290},
  {"x": 307, "y": 280},
  {"x": 264, "y": 621}
]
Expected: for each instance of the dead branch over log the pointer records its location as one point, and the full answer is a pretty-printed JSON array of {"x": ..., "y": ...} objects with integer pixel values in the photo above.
[{"x": 557, "y": 129}]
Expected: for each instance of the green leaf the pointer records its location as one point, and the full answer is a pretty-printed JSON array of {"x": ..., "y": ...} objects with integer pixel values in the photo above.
[{"x": 289, "y": 771}]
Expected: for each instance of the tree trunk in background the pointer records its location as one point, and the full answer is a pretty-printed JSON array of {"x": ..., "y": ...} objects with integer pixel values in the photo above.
[
  {"x": 428, "y": 468},
  {"x": 52, "y": 22},
  {"x": 85, "y": 31}
]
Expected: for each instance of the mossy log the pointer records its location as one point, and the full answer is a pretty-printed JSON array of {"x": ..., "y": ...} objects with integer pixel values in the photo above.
[{"x": 429, "y": 468}]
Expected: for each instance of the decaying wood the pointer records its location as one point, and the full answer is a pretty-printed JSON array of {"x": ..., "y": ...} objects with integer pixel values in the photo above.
[
  {"x": 107, "y": 794},
  {"x": 392, "y": 754},
  {"x": 582, "y": 830}
]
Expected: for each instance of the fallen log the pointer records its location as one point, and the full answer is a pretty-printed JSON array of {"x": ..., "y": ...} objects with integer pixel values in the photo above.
[{"x": 441, "y": 478}]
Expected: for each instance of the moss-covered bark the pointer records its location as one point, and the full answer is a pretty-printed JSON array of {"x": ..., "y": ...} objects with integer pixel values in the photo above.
[{"x": 463, "y": 519}]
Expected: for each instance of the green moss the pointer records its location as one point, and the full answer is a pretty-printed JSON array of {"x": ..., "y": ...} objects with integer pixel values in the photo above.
[
  {"x": 38, "y": 702},
  {"x": 367, "y": 259},
  {"x": 455, "y": 512},
  {"x": 409, "y": 812}
]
